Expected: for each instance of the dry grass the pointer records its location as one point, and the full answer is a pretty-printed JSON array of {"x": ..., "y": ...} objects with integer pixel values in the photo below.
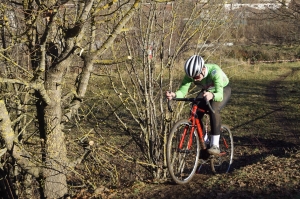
[{"x": 263, "y": 114}]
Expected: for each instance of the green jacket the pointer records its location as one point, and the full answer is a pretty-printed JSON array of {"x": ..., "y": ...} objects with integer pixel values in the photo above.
[{"x": 214, "y": 81}]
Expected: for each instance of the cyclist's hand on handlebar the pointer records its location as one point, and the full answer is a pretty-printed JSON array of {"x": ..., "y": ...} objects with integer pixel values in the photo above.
[
  {"x": 208, "y": 96},
  {"x": 170, "y": 95}
]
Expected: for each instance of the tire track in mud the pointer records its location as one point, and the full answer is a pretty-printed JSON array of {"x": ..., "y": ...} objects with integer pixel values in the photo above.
[{"x": 287, "y": 132}]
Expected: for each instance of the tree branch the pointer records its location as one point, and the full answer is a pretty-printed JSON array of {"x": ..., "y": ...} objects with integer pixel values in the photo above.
[
  {"x": 87, "y": 151},
  {"x": 22, "y": 157},
  {"x": 110, "y": 62},
  {"x": 89, "y": 57},
  {"x": 118, "y": 29},
  {"x": 37, "y": 85},
  {"x": 16, "y": 64}
]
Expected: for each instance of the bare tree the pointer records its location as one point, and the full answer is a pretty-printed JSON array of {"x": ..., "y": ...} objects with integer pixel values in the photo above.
[
  {"x": 40, "y": 42},
  {"x": 162, "y": 36},
  {"x": 275, "y": 25}
]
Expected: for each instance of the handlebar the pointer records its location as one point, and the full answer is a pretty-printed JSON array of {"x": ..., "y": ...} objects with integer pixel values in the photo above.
[{"x": 189, "y": 100}]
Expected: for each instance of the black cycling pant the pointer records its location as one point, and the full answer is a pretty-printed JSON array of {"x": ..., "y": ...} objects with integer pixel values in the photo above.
[{"x": 215, "y": 118}]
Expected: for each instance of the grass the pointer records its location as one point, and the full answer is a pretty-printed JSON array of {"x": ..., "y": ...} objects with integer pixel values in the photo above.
[
  {"x": 263, "y": 115},
  {"x": 247, "y": 109},
  {"x": 247, "y": 113}
]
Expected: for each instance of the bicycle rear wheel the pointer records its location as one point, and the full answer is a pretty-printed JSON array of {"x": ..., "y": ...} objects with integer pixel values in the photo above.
[
  {"x": 182, "y": 162},
  {"x": 222, "y": 164}
]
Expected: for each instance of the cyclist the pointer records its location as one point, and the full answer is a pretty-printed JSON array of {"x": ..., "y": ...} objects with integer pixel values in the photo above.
[{"x": 211, "y": 78}]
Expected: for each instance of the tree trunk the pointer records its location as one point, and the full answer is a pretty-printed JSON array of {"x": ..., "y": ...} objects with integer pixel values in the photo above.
[{"x": 55, "y": 147}]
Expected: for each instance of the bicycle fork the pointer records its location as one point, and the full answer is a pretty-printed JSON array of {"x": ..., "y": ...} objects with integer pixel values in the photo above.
[
  {"x": 190, "y": 131},
  {"x": 195, "y": 123}
]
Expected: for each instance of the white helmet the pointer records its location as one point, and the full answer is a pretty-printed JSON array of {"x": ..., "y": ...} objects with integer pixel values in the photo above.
[{"x": 193, "y": 66}]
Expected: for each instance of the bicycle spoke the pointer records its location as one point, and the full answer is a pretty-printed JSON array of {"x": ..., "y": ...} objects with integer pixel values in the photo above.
[
  {"x": 182, "y": 162},
  {"x": 224, "y": 162}
]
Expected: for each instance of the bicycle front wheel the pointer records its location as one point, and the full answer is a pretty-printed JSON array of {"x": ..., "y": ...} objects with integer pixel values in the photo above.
[{"x": 183, "y": 148}]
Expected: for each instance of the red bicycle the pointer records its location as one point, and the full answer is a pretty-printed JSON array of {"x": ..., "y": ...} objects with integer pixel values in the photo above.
[{"x": 188, "y": 143}]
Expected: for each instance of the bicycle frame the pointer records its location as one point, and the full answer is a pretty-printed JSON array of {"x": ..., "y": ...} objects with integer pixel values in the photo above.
[{"x": 195, "y": 122}]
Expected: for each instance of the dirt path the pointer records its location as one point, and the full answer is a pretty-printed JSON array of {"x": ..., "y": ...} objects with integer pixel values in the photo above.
[
  {"x": 282, "y": 136},
  {"x": 290, "y": 136}
]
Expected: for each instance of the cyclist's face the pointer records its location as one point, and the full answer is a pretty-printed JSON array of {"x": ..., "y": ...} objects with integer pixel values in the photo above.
[{"x": 200, "y": 76}]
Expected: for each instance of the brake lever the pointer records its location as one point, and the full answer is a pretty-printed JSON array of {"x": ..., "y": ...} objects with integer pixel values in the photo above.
[{"x": 208, "y": 104}]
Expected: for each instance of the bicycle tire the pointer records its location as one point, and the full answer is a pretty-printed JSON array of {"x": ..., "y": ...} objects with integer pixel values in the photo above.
[
  {"x": 182, "y": 163},
  {"x": 222, "y": 164}
]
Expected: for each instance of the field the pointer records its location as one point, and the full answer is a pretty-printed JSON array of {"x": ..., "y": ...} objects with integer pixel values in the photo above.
[{"x": 263, "y": 115}]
